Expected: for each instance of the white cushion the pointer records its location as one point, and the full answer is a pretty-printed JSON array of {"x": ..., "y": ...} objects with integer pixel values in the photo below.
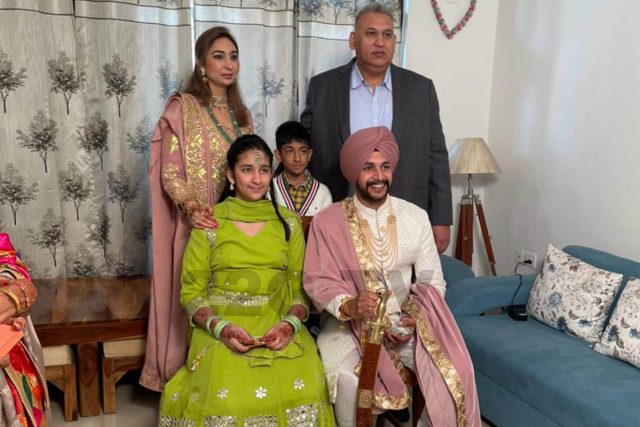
[
  {"x": 572, "y": 296},
  {"x": 57, "y": 355},
  {"x": 621, "y": 337},
  {"x": 125, "y": 348}
]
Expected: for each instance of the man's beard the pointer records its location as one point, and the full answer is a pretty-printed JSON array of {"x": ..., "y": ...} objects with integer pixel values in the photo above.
[{"x": 368, "y": 197}]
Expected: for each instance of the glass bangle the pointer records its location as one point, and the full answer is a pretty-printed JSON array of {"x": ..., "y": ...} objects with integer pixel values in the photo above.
[
  {"x": 295, "y": 323},
  {"x": 207, "y": 325},
  {"x": 219, "y": 326}
]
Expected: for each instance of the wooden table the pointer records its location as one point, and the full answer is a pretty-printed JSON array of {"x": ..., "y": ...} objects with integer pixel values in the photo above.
[{"x": 85, "y": 312}]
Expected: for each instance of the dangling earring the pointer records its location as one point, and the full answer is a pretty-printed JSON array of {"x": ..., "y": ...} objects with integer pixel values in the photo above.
[
  {"x": 231, "y": 186},
  {"x": 204, "y": 75}
]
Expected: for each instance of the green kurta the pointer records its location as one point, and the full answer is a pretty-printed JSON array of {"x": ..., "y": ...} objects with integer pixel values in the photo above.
[{"x": 252, "y": 282}]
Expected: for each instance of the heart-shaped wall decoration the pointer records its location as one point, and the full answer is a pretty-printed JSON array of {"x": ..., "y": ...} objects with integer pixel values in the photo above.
[{"x": 459, "y": 26}]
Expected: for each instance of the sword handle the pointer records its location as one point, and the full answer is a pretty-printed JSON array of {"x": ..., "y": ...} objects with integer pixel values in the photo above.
[{"x": 377, "y": 326}]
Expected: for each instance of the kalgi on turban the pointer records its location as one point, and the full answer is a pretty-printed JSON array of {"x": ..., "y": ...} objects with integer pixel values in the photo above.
[{"x": 357, "y": 149}]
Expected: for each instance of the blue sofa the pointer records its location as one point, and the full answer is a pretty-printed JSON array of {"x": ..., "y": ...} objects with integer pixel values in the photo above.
[
  {"x": 454, "y": 270},
  {"x": 529, "y": 374}
]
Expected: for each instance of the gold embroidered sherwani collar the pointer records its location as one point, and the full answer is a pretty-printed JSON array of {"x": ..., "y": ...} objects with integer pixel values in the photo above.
[{"x": 368, "y": 212}]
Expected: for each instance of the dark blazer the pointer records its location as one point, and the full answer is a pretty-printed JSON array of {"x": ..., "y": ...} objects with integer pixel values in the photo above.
[{"x": 422, "y": 174}]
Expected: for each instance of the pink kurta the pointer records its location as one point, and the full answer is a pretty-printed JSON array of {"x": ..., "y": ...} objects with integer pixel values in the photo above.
[{"x": 188, "y": 161}]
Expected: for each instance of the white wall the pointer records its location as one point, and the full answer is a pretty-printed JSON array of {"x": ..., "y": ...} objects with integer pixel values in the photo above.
[
  {"x": 462, "y": 70},
  {"x": 565, "y": 127}
]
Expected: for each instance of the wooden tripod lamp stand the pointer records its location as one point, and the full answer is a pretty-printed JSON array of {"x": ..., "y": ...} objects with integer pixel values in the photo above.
[{"x": 472, "y": 156}]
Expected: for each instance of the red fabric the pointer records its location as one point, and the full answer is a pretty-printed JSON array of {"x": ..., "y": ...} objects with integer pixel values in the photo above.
[
  {"x": 17, "y": 402},
  {"x": 22, "y": 369},
  {"x": 23, "y": 372}
]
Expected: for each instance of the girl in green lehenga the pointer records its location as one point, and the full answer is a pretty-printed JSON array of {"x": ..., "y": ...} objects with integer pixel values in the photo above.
[{"x": 251, "y": 361}]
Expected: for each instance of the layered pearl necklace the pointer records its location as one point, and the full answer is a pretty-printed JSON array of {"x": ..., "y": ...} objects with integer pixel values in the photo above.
[{"x": 383, "y": 248}]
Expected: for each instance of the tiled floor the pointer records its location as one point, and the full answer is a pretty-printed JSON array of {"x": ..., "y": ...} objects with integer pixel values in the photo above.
[{"x": 137, "y": 407}]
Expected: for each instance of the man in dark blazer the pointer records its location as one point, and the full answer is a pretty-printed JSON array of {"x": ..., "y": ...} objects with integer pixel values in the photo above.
[{"x": 400, "y": 99}]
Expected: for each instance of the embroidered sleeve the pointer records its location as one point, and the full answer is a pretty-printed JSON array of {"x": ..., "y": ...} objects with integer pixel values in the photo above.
[
  {"x": 427, "y": 267},
  {"x": 196, "y": 271},
  {"x": 334, "y": 306},
  {"x": 173, "y": 173},
  {"x": 296, "y": 257},
  {"x": 174, "y": 180}
]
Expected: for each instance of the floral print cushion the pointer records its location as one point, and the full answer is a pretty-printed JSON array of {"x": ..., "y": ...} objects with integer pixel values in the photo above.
[
  {"x": 572, "y": 296},
  {"x": 621, "y": 338}
]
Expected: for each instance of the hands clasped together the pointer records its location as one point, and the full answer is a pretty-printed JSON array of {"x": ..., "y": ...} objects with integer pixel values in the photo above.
[
  {"x": 202, "y": 217},
  {"x": 238, "y": 339}
]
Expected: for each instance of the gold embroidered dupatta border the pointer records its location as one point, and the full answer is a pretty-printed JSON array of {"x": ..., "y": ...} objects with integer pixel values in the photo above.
[
  {"x": 438, "y": 356},
  {"x": 369, "y": 272},
  {"x": 17, "y": 378},
  {"x": 441, "y": 360},
  {"x": 370, "y": 277},
  {"x": 196, "y": 153},
  {"x": 205, "y": 151}
]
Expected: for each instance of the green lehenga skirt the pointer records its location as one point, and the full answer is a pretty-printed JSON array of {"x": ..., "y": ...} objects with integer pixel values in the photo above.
[{"x": 218, "y": 387}]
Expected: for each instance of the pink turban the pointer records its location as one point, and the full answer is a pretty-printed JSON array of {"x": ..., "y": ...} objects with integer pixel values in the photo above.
[{"x": 357, "y": 149}]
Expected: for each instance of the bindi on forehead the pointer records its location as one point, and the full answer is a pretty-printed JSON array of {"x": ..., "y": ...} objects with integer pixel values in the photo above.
[{"x": 258, "y": 157}]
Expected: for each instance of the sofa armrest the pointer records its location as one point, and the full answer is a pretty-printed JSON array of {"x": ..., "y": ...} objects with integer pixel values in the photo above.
[
  {"x": 474, "y": 296},
  {"x": 454, "y": 270}
]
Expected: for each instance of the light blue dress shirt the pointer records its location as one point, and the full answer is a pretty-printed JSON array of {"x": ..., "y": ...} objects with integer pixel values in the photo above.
[{"x": 368, "y": 107}]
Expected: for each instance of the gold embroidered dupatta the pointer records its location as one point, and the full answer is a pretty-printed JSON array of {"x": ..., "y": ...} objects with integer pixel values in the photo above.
[
  {"x": 427, "y": 340},
  {"x": 187, "y": 159}
]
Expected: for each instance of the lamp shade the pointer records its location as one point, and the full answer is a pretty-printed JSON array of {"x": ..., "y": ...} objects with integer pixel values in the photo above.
[{"x": 472, "y": 155}]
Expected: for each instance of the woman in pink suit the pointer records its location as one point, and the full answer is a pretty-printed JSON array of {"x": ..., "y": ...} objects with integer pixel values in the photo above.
[{"x": 186, "y": 176}]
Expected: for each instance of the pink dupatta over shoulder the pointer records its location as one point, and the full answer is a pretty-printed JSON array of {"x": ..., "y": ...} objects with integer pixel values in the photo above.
[
  {"x": 332, "y": 269},
  {"x": 197, "y": 160},
  {"x": 168, "y": 324}
]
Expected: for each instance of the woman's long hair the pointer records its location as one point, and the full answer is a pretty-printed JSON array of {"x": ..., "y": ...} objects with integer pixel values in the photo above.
[
  {"x": 237, "y": 149},
  {"x": 200, "y": 90}
]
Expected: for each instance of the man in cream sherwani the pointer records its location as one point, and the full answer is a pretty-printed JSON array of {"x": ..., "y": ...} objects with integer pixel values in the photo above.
[{"x": 372, "y": 240}]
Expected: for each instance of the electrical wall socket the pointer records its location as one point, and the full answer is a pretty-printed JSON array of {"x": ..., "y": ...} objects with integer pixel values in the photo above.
[
  {"x": 530, "y": 256},
  {"x": 522, "y": 256}
]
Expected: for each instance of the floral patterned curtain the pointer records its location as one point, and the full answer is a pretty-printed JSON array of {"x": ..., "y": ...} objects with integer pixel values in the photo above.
[{"x": 82, "y": 84}]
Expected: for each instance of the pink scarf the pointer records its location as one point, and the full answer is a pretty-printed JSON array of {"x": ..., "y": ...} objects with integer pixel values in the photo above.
[
  {"x": 332, "y": 269},
  {"x": 167, "y": 332},
  {"x": 9, "y": 258}
]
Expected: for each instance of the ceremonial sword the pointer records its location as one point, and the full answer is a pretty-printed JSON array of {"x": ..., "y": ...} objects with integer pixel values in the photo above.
[{"x": 369, "y": 367}]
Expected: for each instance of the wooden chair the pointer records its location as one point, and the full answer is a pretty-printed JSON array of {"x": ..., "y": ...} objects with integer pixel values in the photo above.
[
  {"x": 119, "y": 357},
  {"x": 416, "y": 408},
  {"x": 60, "y": 371},
  {"x": 306, "y": 223}
]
